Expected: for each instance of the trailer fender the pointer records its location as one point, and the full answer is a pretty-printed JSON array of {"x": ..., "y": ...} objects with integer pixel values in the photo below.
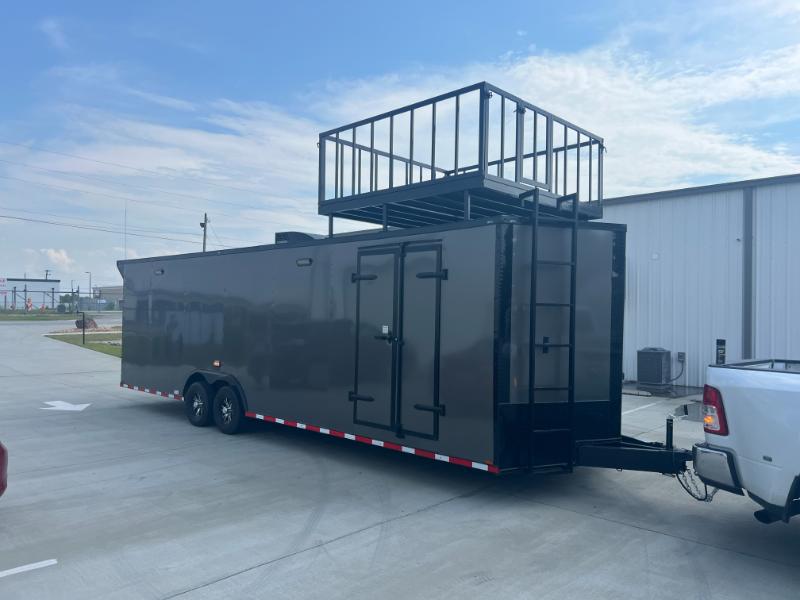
[{"x": 216, "y": 380}]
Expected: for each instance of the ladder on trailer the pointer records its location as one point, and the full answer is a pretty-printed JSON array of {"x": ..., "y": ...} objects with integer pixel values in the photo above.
[{"x": 551, "y": 424}]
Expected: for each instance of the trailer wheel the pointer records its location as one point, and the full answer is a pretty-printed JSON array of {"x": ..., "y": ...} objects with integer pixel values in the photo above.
[
  {"x": 197, "y": 403},
  {"x": 228, "y": 413}
]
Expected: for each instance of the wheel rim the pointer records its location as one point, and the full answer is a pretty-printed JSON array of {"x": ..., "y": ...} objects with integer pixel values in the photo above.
[
  {"x": 198, "y": 406},
  {"x": 226, "y": 410}
]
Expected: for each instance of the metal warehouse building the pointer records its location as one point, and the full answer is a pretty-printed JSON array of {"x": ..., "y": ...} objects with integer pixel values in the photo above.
[{"x": 717, "y": 262}]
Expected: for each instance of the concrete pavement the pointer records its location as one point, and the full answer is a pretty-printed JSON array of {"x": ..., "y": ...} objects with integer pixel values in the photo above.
[{"x": 133, "y": 502}]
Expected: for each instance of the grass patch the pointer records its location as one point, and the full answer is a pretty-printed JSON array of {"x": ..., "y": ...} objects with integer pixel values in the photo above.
[
  {"x": 94, "y": 341},
  {"x": 20, "y": 316}
]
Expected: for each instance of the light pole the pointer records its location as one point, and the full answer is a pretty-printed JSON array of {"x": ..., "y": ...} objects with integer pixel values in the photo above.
[{"x": 91, "y": 294}]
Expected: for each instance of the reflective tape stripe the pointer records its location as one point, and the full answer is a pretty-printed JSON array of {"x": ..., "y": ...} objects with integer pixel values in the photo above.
[
  {"x": 380, "y": 443},
  {"x": 176, "y": 394}
]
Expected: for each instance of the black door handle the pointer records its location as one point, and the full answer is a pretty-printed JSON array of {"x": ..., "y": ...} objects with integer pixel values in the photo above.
[{"x": 439, "y": 408}]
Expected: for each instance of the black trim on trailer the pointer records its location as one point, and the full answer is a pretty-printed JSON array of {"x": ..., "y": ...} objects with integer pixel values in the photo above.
[
  {"x": 504, "y": 249},
  {"x": 377, "y": 234},
  {"x": 617, "y": 327}
]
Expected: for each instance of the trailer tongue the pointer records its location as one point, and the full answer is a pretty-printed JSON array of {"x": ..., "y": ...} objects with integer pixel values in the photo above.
[{"x": 479, "y": 322}]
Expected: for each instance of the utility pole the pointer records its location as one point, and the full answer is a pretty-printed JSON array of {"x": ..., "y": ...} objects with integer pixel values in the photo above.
[
  {"x": 46, "y": 274},
  {"x": 204, "y": 225}
]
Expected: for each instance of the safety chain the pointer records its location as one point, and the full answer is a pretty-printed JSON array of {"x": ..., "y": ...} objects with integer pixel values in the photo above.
[{"x": 691, "y": 483}]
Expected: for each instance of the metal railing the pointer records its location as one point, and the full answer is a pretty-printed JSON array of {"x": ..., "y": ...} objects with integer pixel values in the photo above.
[{"x": 477, "y": 129}]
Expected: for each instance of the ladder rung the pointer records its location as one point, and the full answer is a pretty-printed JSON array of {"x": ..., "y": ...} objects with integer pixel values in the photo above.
[
  {"x": 564, "y": 304},
  {"x": 556, "y": 263},
  {"x": 562, "y": 430}
]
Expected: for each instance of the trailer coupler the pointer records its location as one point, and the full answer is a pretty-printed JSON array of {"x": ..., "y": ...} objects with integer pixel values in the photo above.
[{"x": 635, "y": 455}]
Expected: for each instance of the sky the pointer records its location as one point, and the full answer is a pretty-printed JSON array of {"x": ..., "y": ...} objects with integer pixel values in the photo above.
[{"x": 139, "y": 117}]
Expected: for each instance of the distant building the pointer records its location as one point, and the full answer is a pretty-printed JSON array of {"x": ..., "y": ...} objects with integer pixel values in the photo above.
[
  {"x": 712, "y": 265},
  {"x": 15, "y": 292},
  {"x": 112, "y": 293}
]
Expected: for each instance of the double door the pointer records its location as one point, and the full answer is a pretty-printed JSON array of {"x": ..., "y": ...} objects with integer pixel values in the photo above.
[{"x": 398, "y": 315}]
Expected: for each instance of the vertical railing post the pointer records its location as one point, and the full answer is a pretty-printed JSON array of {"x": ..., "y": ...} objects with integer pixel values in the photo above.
[
  {"x": 520, "y": 149},
  {"x": 591, "y": 151},
  {"x": 353, "y": 164},
  {"x": 433, "y": 141},
  {"x": 321, "y": 175},
  {"x": 549, "y": 154},
  {"x": 391, "y": 152},
  {"x": 411, "y": 147},
  {"x": 373, "y": 181},
  {"x": 336, "y": 168},
  {"x": 483, "y": 129},
  {"x": 578, "y": 168},
  {"x": 501, "y": 171},
  {"x": 600, "y": 148},
  {"x": 566, "y": 145},
  {"x": 455, "y": 150}
]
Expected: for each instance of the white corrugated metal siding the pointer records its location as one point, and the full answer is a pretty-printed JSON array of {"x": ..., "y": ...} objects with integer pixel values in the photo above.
[
  {"x": 683, "y": 277},
  {"x": 776, "y": 230}
]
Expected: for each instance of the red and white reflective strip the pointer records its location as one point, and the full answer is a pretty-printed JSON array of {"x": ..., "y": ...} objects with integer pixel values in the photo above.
[
  {"x": 373, "y": 442},
  {"x": 176, "y": 394}
]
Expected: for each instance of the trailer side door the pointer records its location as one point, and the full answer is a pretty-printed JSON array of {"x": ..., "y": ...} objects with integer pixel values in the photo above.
[
  {"x": 397, "y": 339},
  {"x": 373, "y": 395}
]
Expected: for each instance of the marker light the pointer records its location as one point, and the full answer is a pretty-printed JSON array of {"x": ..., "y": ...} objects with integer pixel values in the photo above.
[{"x": 217, "y": 363}]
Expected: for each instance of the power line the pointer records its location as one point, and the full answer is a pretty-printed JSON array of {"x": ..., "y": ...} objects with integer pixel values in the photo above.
[
  {"x": 113, "y": 224},
  {"x": 133, "y": 185},
  {"x": 140, "y": 170},
  {"x": 138, "y": 200},
  {"x": 101, "y": 229}
]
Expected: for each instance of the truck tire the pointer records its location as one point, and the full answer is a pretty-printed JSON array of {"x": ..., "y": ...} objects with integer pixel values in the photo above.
[
  {"x": 197, "y": 403},
  {"x": 228, "y": 414}
]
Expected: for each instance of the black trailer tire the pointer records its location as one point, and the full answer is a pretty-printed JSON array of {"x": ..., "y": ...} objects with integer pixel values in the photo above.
[
  {"x": 197, "y": 403},
  {"x": 228, "y": 413}
]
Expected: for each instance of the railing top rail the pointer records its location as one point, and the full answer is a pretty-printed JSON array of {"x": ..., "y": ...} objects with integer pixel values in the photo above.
[
  {"x": 541, "y": 111},
  {"x": 483, "y": 85},
  {"x": 409, "y": 107}
]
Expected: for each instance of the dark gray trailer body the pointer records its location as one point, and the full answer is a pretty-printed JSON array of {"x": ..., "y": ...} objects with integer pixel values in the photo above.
[
  {"x": 480, "y": 325},
  {"x": 302, "y": 331}
]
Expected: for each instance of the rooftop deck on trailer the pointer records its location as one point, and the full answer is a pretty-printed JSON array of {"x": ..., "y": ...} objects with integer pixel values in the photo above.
[{"x": 471, "y": 153}]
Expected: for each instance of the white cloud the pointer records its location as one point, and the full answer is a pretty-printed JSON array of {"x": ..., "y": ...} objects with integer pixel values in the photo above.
[
  {"x": 663, "y": 123},
  {"x": 58, "y": 257},
  {"x": 54, "y": 32}
]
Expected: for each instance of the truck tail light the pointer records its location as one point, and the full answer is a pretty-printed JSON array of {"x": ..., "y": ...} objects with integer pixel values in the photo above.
[{"x": 714, "y": 420}]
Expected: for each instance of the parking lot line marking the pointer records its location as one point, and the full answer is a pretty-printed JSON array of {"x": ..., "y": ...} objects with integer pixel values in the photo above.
[
  {"x": 627, "y": 412},
  {"x": 29, "y": 567}
]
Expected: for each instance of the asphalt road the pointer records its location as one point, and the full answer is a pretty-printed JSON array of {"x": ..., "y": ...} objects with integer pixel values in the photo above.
[{"x": 124, "y": 499}]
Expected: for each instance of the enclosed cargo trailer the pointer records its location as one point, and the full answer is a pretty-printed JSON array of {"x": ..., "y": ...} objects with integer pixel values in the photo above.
[{"x": 480, "y": 325}]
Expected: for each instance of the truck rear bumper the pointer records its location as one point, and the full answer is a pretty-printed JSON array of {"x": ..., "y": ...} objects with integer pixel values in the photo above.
[{"x": 716, "y": 467}]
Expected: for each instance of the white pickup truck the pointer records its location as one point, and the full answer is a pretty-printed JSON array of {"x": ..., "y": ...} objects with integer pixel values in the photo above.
[{"x": 751, "y": 418}]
